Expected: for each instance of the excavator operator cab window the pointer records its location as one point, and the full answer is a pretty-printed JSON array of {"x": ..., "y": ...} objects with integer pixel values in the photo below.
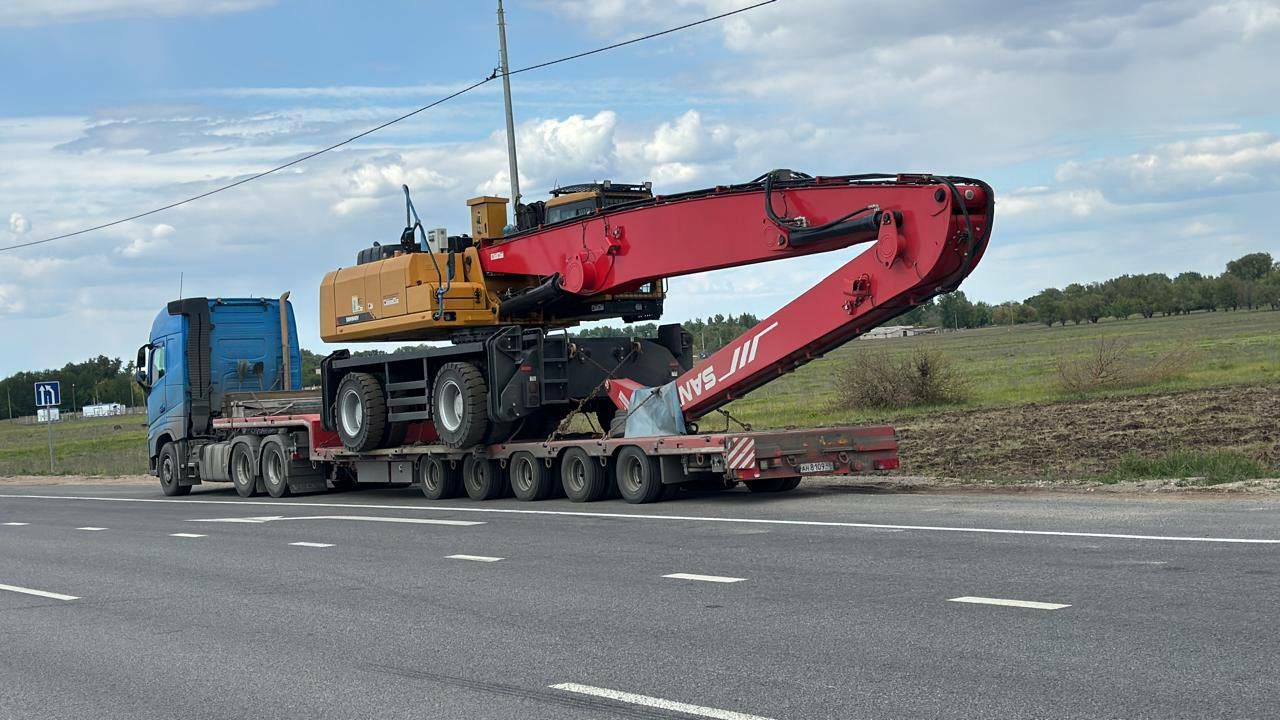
[{"x": 569, "y": 211}]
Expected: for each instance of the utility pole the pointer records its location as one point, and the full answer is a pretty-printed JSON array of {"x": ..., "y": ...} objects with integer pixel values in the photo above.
[{"x": 505, "y": 69}]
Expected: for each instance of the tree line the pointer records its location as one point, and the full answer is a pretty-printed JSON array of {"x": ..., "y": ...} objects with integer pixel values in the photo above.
[
  {"x": 1249, "y": 282},
  {"x": 97, "y": 380}
]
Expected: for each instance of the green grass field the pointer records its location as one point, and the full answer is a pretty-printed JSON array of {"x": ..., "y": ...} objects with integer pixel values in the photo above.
[
  {"x": 1008, "y": 366},
  {"x": 1016, "y": 397},
  {"x": 84, "y": 446}
]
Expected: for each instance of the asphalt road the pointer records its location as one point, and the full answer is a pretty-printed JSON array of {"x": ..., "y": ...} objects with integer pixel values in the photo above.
[{"x": 818, "y": 604}]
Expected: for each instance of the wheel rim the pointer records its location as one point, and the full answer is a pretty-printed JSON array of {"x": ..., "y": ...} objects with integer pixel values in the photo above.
[
  {"x": 523, "y": 474},
  {"x": 633, "y": 475},
  {"x": 577, "y": 474},
  {"x": 431, "y": 475},
  {"x": 166, "y": 470},
  {"x": 477, "y": 476},
  {"x": 351, "y": 413},
  {"x": 274, "y": 469},
  {"x": 450, "y": 406},
  {"x": 243, "y": 471}
]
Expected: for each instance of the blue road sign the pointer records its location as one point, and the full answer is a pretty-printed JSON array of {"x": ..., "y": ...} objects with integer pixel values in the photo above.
[{"x": 48, "y": 394}]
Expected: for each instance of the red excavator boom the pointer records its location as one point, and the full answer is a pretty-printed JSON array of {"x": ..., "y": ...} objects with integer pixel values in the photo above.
[{"x": 929, "y": 233}]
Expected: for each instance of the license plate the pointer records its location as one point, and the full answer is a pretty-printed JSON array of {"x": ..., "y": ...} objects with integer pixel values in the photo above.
[{"x": 818, "y": 467}]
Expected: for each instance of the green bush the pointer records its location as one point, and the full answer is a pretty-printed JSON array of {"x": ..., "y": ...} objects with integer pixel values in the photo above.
[{"x": 880, "y": 381}]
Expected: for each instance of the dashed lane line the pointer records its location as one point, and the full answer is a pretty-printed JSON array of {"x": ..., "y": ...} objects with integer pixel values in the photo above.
[
  {"x": 655, "y": 702},
  {"x": 91, "y": 529},
  {"x": 1009, "y": 603},
  {"x": 187, "y": 535},
  {"x": 678, "y": 518},
  {"x": 311, "y": 544},
  {"x": 17, "y": 524},
  {"x": 476, "y": 558},
  {"x": 38, "y": 593},
  {"x": 704, "y": 578}
]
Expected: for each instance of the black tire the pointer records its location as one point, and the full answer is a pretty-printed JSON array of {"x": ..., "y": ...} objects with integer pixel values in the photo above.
[
  {"x": 769, "y": 485},
  {"x": 394, "y": 435},
  {"x": 169, "y": 470},
  {"x": 530, "y": 479},
  {"x": 275, "y": 470},
  {"x": 638, "y": 476},
  {"x": 244, "y": 470},
  {"x": 790, "y": 483},
  {"x": 582, "y": 476},
  {"x": 440, "y": 478},
  {"x": 481, "y": 478},
  {"x": 458, "y": 405},
  {"x": 360, "y": 412}
]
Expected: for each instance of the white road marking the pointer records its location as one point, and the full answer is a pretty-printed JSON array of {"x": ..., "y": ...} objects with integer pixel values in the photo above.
[
  {"x": 655, "y": 702},
  {"x": 704, "y": 578},
  {"x": 38, "y": 593},
  {"x": 186, "y": 535},
  {"x": 694, "y": 518},
  {"x": 364, "y": 518},
  {"x": 311, "y": 544},
  {"x": 477, "y": 558},
  {"x": 1009, "y": 603},
  {"x": 91, "y": 529},
  {"x": 17, "y": 524}
]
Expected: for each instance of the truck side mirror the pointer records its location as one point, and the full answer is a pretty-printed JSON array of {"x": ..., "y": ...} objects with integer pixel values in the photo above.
[{"x": 140, "y": 369}]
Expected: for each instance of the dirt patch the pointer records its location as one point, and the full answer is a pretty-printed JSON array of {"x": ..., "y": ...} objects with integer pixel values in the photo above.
[
  {"x": 1085, "y": 439},
  {"x": 78, "y": 480}
]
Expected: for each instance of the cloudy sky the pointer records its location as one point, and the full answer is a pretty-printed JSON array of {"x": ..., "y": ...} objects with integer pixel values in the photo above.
[{"x": 1120, "y": 136}]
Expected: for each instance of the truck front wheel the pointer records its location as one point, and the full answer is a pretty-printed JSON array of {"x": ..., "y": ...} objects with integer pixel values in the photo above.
[
  {"x": 170, "y": 470},
  {"x": 362, "y": 412}
]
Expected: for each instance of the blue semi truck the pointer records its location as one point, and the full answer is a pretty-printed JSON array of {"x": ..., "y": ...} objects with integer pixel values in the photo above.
[{"x": 226, "y": 404}]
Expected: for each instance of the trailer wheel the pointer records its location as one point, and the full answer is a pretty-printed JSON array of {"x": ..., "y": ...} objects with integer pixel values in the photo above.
[
  {"x": 638, "y": 475},
  {"x": 169, "y": 470},
  {"x": 458, "y": 406},
  {"x": 275, "y": 470},
  {"x": 481, "y": 479},
  {"x": 790, "y": 483},
  {"x": 529, "y": 477},
  {"x": 582, "y": 476},
  {"x": 440, "y": 478},
  {"x": 244, "y": 471},
  {"x": 361, "y": 411}
]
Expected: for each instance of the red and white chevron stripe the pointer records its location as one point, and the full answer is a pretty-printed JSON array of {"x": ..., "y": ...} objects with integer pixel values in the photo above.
[{"x": 741, "y": 454}]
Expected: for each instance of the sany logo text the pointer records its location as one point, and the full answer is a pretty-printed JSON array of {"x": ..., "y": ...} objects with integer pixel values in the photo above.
[{"x": 707, "y": 378}]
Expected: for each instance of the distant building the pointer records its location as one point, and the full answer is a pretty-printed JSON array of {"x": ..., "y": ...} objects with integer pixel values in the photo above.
[
  {"x": 102, "y": 410},
  {"x": 885, "y": 332}
]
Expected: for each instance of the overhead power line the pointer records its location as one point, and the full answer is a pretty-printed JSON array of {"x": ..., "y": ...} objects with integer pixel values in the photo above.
[{"x": 492, "y": 76}]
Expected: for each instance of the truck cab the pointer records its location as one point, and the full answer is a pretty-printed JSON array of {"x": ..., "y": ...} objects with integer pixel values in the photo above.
[{"x": 200, "y": 350}]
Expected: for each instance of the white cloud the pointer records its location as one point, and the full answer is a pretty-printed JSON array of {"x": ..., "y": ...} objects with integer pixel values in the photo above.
[
  {"x": 161, "y": 231},
  {"x": 1189, "y": 169},
  {"x": 19, "y": 224},
  {"x": 45, "y": 12}
]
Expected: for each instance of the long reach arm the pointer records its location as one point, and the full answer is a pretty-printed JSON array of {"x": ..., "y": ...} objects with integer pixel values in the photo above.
[{"x": 928, "y": 234}]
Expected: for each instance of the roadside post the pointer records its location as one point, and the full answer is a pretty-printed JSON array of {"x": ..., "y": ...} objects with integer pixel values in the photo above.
[{"x": 49, "y": 397}]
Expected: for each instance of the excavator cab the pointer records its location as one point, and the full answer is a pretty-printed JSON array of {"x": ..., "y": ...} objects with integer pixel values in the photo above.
[{"x": 575, "y": 201}]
